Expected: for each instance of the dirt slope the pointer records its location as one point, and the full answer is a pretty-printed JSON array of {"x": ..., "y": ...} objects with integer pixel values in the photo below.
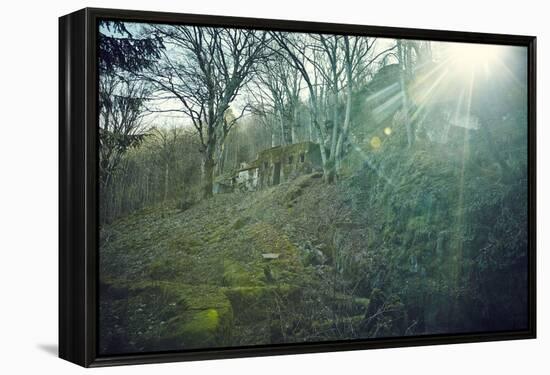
[{"x": 173, "y": 279}]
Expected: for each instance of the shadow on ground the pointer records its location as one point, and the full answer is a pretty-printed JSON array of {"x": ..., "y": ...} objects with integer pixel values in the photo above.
[{"x": 51, "y": 349}]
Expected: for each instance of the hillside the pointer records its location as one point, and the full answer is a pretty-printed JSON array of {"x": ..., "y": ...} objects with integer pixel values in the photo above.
[
  {"x": 403, "y": 246},
  {"x": 238, "y": 269},
  {"x": 406, "y": 244}
]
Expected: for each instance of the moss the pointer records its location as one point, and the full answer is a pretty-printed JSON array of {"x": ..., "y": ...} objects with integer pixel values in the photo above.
[
  {"x": 206, "y": 318},
  {"x": 241, "y": 222},
  {"x": 199, "y": 329},
  {"x": 202, "y": 281},
  {"x": 196, "y": 329},
  {"x": 295, "y": 190},
  {"x": 166, "y": 316},
  {"x": 269, "y": 240},
  {"x": 185, "y": 244},
  {"x": 363, "y": 302},
  {"x": 249, "y": 303},
  {"x": 241, "y": 274},
  {"x": 171, "y": 268},
  {"x": 253, "y": 304},
  {"x": 157, "y": 269}
]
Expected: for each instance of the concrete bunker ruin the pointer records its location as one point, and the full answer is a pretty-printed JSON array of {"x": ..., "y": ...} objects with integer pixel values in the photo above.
[{"x": 273, "y": 166}]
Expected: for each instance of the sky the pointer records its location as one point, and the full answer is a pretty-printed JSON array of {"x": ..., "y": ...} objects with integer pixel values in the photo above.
[{"x": 463, "y": 59}]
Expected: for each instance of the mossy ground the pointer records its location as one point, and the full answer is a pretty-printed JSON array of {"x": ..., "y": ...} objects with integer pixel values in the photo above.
[
  {"x": 392, "y": 249},
  {"x": 176, "y": 279}
]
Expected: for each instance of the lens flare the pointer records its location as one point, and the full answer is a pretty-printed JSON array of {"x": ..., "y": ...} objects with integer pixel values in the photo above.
[{"x": 375, "y": 142}]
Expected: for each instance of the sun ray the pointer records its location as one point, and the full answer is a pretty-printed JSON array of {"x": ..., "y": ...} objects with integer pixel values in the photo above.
[
  {"x": 383, "y": 93},
  {"x": 387, "y": 108},
  {"x": 424, "y": 77},
  {"x": 422, "y": 98},
  {"x": 460, "y": 221},
  {"x": 509, "y": 74}
]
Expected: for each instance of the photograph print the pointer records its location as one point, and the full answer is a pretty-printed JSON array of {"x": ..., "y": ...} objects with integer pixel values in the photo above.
[{"x": 265, "y": 187}]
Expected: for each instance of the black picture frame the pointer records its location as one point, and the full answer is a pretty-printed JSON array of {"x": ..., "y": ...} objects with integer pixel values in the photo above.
[{"x": 78, "y": 185}]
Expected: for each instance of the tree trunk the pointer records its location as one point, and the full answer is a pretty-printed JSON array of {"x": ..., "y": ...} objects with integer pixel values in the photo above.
[
  {"x": 335, "y": 121},
  {"x": 292, "y": 133},
  {"x": 343, "y": 134},
  {"x": 328, "y": 175},
  {"x": 292, "y": 125},
  {"x": 220, "y": 159},
  {"x": 208, "y": 165},
  {"x": 283, "y": 130},
  {"x": 347, "y": 119},
  {"x": 402, "y": 51},
  {"x": 166, "y": 171},
  {"x": 208, "y": 176}
]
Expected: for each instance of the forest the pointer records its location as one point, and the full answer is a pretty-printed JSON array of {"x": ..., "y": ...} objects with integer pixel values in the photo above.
[{"x": 266, "y": 187}]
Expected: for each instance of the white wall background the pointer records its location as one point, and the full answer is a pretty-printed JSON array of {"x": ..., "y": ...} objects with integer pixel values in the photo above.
[{"x": 28, "y": 188}]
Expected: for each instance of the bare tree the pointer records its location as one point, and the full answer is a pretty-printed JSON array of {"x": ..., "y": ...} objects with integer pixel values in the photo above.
[
  {"x": 121, "y": 126},
  {"x": 263, "y": 109},
  {"x": 202, "y": 71},
  {"x": 329, "y": 63},
  {"x": 410, "y": 53},
  {"x": 168, "y": 141},
  {"x": 276, "y": 94}
]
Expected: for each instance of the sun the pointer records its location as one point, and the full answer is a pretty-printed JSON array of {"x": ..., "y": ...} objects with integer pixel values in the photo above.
[{"x": 473, "y": 58}]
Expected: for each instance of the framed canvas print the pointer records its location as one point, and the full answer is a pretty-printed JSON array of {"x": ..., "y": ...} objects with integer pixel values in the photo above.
[{"x": 242, "y": 187}]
